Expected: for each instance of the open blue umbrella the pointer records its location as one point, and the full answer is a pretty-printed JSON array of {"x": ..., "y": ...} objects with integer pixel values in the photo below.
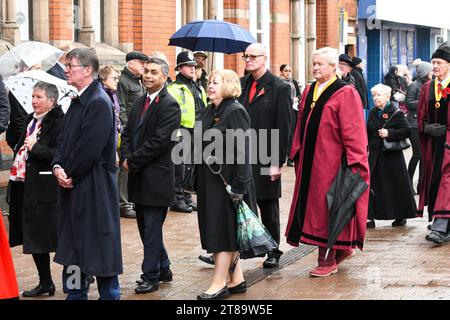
[{"x": 212, "y": 36}]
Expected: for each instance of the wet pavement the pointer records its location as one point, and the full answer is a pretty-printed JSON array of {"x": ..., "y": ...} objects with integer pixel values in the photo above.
[{"x": 397, "y": 263}]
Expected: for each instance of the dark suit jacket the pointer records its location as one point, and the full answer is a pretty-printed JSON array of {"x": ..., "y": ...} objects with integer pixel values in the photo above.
[
  {"x": 147, "y": 147},
  {"x": 57, "y": 71},
  {"x": 270, "y": 109}
]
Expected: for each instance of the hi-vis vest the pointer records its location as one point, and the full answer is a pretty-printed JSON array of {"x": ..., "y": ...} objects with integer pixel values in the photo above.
[{"x": 186, "y": 101}]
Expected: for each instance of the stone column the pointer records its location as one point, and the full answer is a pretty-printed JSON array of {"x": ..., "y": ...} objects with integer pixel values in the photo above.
[
  {"x": 10, "y": 28},
  {"x": 295, "y": 37},
  {"x": 111, "y": 12},
  {"x": 311, "y": 36},
  {"x": 87, "y": 32},
  {"x": 190, "y": 10},
  {"x": 41, "y": 26},
  {"x": 212, "y": 10}
]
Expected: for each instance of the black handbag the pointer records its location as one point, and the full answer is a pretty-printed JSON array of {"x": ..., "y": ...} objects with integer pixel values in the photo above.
[{"x": 390, "y": 146}]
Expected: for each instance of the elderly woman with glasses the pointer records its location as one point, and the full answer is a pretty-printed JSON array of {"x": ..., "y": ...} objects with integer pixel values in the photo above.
[
  {"x": 109, "y": 78},
  {"x": 33, "y": 188},
  {"x": 392, "y": 196}
]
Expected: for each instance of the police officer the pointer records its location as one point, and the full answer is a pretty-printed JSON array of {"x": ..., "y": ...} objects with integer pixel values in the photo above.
[{"x": 192, "y": 100}]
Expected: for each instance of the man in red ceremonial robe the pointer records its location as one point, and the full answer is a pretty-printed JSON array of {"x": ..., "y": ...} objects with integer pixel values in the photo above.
[
  {"x": 433, "y": 123},
  {"x": 330, "y": 122}
]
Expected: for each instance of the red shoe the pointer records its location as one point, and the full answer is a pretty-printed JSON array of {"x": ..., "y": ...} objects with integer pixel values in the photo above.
[
  {"x": 344, "y": 255},
  {"x": 324, "y": 271}
]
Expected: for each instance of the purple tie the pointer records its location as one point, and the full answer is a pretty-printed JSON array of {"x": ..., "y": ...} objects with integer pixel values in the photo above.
[{"x": 33, "y": 126}]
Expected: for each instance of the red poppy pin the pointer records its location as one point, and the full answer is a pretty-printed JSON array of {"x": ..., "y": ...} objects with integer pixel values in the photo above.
[
  {"x": 261, "y": 92},
  {"x": 385, "y": 116}
]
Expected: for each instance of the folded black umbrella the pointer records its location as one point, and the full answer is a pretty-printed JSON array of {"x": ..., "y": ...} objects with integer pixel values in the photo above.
[{"x": 345, "y": 190}]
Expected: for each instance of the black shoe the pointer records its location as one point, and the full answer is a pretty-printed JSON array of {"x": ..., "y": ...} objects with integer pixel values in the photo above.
[
  {"x": 182, "y": 207},
  {"x": 207, "y": 259},
  {"x": 399, "y": 222},
  {"x": 128, "y": 213},
  {"x": 240, "y": 288},
  {"x": 193, "y": 206},
  {"x": 166, "y": 276},
  {"x": 370, "y": 224},
  {"x": 40, "y": 290},
  {"x": 436, "y": 237},
  {"x": 290, "y": 163},
  {"x": 147, "y": 287},
  {"x": 222, "y": 293},
  {"x": 272, "y": 260}
]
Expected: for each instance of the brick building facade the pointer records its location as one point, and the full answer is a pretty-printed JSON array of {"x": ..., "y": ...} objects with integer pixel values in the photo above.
[{"x": 146, "y": 25}]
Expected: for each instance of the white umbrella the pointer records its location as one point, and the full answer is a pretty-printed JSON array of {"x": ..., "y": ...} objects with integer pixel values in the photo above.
[
  {"x": 27, "y": 54},
  {"x": 21, "y": 86}
]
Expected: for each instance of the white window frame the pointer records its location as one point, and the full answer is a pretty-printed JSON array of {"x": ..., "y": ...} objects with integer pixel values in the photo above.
[{"x": 265, "y": 23}]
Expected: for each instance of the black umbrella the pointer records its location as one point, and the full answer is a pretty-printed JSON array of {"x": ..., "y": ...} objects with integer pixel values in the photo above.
[{"x": 345, "y": 190}]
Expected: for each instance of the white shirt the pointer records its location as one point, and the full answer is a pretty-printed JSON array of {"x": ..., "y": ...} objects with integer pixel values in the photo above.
[
  {"x": 154, "y": 95},
  {"x": 323, "y": 85},
  {"x": 445, "y": 80}
]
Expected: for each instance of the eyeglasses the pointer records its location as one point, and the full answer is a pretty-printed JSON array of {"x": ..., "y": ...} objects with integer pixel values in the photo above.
[
  {"x": 71, "y": 66},
  {"x": 114, "y": 78},
  {"x": 252, "y": 57}
]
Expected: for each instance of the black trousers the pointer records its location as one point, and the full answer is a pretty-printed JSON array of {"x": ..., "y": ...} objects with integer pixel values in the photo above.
[
  {"x": 150, "y": 222},
  {"x": 270, "y": 217},
  {"x": 181, "y": 197},
  {"x": 42, "y": 262},
  {"x": 416, "y": 156}
]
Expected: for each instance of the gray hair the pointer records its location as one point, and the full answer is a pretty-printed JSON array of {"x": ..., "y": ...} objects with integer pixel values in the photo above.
[
  {"x": 50, "y": 90},
  {"x": 159, "y": 60},
  {"x": 381, "y": 88},
  {"x": 87, "y": 58},
  {"x": 331, "y": 55}
]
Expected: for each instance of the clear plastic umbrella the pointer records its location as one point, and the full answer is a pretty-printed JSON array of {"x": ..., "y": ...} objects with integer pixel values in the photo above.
[
  {"x": 21, "y": 86},
  {"x": 27, "y": 54}
]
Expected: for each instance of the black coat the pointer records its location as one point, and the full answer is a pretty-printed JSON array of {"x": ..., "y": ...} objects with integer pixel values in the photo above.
[
  {"x": 4, "y": 107},
  {"x": 129, "y": 90},
  {"x": 147, "y": 147},
  {"x": 17, "y": 120},
  {"x": 88, "y": 214},
  {"x": 412, "y": 101},
  {"x": 58, "y": 72},
  {"x": 32, "y": 210},
  {"x": 392, "y": 193},
  {"x": 216, "y": 213},
  {"x": 270, "y": 109},
  {"x": 360, "y": 85}
]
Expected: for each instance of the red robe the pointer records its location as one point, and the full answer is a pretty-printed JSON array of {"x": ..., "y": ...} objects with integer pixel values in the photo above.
[
  {"x": 8, "y": 281},
  {"x": 342, "y": 128},
  {"x": 442, "y": 204}
]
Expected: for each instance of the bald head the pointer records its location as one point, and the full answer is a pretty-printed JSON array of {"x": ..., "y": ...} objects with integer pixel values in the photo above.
[{"x": 255, "y": 58}]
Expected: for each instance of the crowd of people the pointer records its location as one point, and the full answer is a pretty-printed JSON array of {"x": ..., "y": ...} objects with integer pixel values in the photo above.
[{"x": 67, "y": 193}]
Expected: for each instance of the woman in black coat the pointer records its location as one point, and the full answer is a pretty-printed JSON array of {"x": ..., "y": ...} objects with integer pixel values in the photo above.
[
  {"x": 391, "y": 194},
  {"x": 33, "y": 188},
  {"x": 216, "y": 212}
]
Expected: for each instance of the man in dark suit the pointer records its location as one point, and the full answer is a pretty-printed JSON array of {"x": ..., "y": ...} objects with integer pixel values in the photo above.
[
  {"x": 267, "y": 100},
  {"x": 146, "y": 154},
  {"x": 88, "y": 201},
  {"x": 58, "y": 69}
]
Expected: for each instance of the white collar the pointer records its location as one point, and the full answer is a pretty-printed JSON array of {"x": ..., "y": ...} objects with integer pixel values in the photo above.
[
  {"x": 82, "y": 90},
  {"x": 323, "y": 85},
  {"x": 445, "y": 80},
  {"x": 154, "y": 94}
]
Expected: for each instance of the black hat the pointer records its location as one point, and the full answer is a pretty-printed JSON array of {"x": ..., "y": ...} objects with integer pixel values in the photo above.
[
  {"x": 356, "y": 61},
  {"x": 443, "y": 52},
  {"x": 345, "y": 58},
  {"x": 185, "y": 58},
  {"x": 136, "y": 55}
]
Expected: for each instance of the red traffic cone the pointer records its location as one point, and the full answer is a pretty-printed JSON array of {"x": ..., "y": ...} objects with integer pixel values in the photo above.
[{"x": 8, "y": 281}]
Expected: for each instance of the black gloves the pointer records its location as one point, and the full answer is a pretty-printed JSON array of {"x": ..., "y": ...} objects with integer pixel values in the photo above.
[
  {"x": 434, "y": 130},
  {"x": 236, "y": 198}
]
